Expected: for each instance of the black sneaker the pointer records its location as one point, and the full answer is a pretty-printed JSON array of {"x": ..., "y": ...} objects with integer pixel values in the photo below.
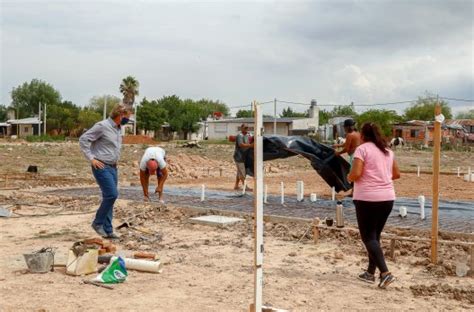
[
  {"x": 367, "y": 277},
  {"x": 99, "y": 229},
  {"x": 112, "y": 236},
  {"x": 386, "y": 280}
]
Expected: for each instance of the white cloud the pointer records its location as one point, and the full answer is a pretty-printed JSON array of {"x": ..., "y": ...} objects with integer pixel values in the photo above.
[{"x": 334, "y": 51}]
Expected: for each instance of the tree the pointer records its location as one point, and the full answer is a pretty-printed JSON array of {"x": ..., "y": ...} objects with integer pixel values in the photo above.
[
  {"x": 129, "y": 89},
  {"x": 209, "y": 107},
  {"x": 62, "y": 117},
  {"x": 424, "y": 108},
  {"x": 87, "y": 118},
  {"x": 244, "y": 113},
  {"x": 26, "y": 97},
  {"x": 97, "y": 103},
  {"x": 174, "y": 107},
  {"x": 3, "y": 113},
  {"x": 288, "y": 112},
  {"x": 468, "y": 114},
  {"x": 384, "y": 118},
  {"x": 150, "y": 116},
  {"x": 190, "y": 117},
  {"x": 324, "y": 116},
  {"x": 344, "y": 110}
]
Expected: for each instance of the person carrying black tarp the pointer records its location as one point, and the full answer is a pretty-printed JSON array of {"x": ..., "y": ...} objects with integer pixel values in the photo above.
[{"x": 242, "y": 147}]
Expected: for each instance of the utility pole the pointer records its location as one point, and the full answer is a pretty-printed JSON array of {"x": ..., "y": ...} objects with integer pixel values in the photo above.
[
  {"x": 105, "y": 107},
  {"x": 39, "y": 118},
  {"x": 135, "y": 121},
  {"x": 275, "y": 116},
  {"x": 44, "y": 130}
]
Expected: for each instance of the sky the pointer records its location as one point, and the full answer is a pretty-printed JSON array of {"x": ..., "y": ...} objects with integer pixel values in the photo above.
[{"x": 336, "y": 52}]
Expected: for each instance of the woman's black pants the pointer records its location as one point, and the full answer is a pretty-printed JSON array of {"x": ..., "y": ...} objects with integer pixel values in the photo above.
[{"x": 371, "y": 218}]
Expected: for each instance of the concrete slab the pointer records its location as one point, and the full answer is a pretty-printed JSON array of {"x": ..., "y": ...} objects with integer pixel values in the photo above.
[{"x": 216, "y": 220}]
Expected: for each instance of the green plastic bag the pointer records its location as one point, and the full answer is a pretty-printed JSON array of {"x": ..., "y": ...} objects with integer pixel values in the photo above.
[{"x": 114, "y": 273}]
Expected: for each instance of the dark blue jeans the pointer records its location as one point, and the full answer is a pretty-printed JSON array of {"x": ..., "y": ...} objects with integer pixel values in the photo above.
[{"x": 107, "y": 180}]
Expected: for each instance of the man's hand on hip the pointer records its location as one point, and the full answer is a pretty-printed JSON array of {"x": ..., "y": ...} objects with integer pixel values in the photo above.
[{"x": 97, "y": 164}]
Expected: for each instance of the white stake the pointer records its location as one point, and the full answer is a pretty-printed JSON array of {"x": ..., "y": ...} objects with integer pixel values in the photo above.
[
  {"x": 203, "y": 192},
  {"x": 244, "y": 187},
  {"x": 469, "y": 174},
  {"x": 299, "y": 191},
  {"x": 459, "y": 172},
  {"x": 418, "y": 171},
  {"x": 313, "y": 197},
  {"x": 421, "y": 201},
  {"x": 333, "y": 193},
  {"x": 265, "y": 195},
  {"x": 282, "y": 188}
]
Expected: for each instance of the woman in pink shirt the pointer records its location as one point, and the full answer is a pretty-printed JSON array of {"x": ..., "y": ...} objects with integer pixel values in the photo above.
[{"x": 373, "y": 171}]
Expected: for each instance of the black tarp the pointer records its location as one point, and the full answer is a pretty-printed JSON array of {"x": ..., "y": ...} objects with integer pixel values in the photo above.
[{"x": 333, "y": 169}]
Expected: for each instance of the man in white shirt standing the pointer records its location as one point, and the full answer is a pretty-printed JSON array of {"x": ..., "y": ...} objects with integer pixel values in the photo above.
[{"x": 153, "y": 162}]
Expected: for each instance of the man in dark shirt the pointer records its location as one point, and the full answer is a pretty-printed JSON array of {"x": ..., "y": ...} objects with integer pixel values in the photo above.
[{"x": 242, "y": 147}]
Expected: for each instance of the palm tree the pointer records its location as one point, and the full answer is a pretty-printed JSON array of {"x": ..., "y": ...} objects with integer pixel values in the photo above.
[{"x": 129, "y": 89}]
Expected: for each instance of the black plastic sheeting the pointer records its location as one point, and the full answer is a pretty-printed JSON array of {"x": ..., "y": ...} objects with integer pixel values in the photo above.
[{"x": 333, "y": 169}]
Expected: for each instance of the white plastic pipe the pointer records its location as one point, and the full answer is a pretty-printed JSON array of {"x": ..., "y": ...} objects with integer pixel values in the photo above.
[
  {"x": 459, "y": 172},
  {"x": 418, "y": 171},
  {"x": 265, "y": 194},
  {"x": 421, "y": 201},
  {"x": 299, "y": 191},
  {"x": 333, "y": 195},
  {"x": 282, "y": 188},
  {"x": 469, "y": 174},
  {"x": 313, "y": 197},
  {"x": 141, "y": 265},
  {"x": 244, "y": 188},
  {"x": 203, "y": 192},
  {"x": 403, "y": 211}
]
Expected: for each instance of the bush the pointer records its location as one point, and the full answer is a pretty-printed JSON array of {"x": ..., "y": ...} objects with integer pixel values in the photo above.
[{"x": 45, "y": 138}]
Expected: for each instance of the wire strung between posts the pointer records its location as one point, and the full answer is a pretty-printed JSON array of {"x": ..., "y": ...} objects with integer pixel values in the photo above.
[{"x": 454, "y": 99}]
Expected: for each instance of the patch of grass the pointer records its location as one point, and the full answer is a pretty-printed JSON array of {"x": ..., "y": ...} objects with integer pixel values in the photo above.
[
  {"x": 45, "y": 138},
  {"x": 217, "y": 142}
]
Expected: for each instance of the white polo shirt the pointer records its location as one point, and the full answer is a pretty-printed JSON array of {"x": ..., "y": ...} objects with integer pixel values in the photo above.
[{"x": 156, "y": 153}]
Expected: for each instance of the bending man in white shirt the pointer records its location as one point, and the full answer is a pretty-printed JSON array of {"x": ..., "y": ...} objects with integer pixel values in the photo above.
[{"x": 153, "y": 162}]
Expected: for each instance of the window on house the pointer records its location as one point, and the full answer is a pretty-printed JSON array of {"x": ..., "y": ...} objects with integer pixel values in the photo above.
[
  {"x": 26, "y": 130},
  {"x": 471, "y": 129},
  {"x": 398, "y": 133},
  {"x": 414, "y": 133}
]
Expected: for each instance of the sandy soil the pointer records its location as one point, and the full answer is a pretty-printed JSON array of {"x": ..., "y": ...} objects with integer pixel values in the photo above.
[
  {"x": 210, "y": 269},
  {"x": 207, "y": 268}
]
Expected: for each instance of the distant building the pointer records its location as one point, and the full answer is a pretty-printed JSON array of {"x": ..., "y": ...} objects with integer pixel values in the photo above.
[
  {"x": 23, "y": 127},
  {"x": 223, "y": 128}
]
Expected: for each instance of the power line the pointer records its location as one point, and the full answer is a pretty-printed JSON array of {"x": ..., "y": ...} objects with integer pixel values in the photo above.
[{"x": 454, "y": 99}]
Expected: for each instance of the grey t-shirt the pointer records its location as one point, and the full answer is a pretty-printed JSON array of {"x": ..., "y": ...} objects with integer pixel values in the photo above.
[{"x": 240, "y": 152}]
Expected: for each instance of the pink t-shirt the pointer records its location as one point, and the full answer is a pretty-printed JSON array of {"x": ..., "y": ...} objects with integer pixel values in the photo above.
[{"x": 376, "y": 183}]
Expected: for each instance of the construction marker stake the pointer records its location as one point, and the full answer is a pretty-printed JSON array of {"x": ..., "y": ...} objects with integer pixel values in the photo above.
[
  {"x": 333, "y": 193},
  {"x": 299, "y": 191},
  {"x": 245, "y": 187},
  {"x": 421, "y": 201},
  {"x": 418, "y": 171},
  {"x": 265, "y": 195},
  {"x": 459, "y": 172},
  {"x": 313, "y": 197},
  {"x": 282, "y": 188},
  {"x": 203, "y": 192},
  {"x": 469, "y": 174}
]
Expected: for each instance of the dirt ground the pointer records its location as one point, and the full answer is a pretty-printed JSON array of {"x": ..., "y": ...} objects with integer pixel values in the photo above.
[{"x": 208, "y": 268}]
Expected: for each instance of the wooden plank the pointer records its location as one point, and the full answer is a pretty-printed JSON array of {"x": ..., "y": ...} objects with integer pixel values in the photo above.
[
  {"x": 258, "y": 208},
  {"x": 435, "y": 205},
  {"x": 392, "y": 249}
]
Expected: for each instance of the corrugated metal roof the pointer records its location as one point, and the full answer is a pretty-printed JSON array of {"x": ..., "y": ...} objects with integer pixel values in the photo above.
[
  {"x": 460, "y": 122},
  {"x": 25, "y": 121}
]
